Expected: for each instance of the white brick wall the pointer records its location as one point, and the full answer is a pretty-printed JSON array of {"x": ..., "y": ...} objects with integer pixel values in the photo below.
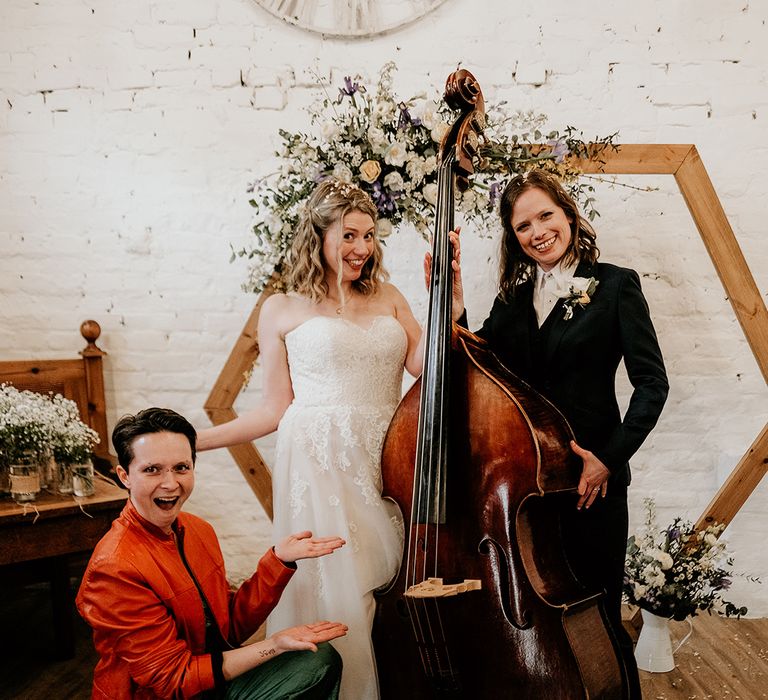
[{"x": 129, "y": 132}]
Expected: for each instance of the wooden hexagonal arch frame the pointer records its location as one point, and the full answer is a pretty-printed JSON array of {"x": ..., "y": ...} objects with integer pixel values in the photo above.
[{"x": 684, "y": 163}]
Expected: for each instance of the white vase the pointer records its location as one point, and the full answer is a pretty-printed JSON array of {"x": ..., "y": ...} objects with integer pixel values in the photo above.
[{"x": 653, "y": 651}]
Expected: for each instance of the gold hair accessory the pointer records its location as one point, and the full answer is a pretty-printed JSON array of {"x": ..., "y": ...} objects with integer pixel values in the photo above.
[
  {"x": 343, "y": 188},
  {"x": 346, "y": 190}
]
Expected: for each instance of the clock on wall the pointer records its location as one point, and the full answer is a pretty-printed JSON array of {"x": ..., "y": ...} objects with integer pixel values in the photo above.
[{"x": 349, "y": 18}]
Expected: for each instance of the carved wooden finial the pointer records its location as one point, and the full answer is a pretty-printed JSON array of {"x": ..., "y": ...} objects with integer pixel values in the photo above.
[{"x": 91, "y": 330}]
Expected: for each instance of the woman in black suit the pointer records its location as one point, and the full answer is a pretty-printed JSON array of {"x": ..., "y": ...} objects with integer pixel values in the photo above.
[{"x": 562, "y": 322}]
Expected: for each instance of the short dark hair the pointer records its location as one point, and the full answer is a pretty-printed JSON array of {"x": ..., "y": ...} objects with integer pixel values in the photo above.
[{"x": 150, "y": 420}]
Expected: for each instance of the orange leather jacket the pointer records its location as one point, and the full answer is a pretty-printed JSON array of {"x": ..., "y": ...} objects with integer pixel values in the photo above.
[{"x": 146, "y": 612}]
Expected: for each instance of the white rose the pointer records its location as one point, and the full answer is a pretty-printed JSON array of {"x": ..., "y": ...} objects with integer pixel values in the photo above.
[
  {"x": 429, "y": 117},
  {"x": 664, "y": 560},
  {"x": 430, "y": 193},
  {"x": 394, "y": 182},
  {"x": 383, "y": 228},
  {"x": 384, "y": 110},
  {"x": 579, "y": 284},
  {"x": 342, "y": 172},
  {"x": 395, "y": 154},
  {"x": 377, "y": 139}
]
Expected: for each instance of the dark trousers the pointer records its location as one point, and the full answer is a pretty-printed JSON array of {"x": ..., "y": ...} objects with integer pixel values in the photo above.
[
  {"x": 294, "y": 675},
  {"x": 596, "y": 544}
]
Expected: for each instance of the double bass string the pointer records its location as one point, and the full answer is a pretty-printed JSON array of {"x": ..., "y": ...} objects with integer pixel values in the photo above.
[
  {"x": 442, "y": 288},
  {"x": 428, "y": 502},
  {"x": 428, "y": 497}
]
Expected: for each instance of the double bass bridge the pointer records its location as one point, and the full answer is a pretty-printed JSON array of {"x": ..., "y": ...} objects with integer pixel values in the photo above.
[{"x": 435, "y": 588}]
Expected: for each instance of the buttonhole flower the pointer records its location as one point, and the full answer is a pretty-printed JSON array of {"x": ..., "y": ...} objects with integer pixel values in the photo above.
[{"x": 579, "y": 292}]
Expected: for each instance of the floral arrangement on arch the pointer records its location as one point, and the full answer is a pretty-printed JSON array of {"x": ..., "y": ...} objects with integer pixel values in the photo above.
[
  {"x": 389, "y": 147},
  {"x": 42, "y": 424},
  {"x": 678, "y": 571}
]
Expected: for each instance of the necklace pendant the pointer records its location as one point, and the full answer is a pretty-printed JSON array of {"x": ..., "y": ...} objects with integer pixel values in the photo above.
[{"x": 338, "y": 311}]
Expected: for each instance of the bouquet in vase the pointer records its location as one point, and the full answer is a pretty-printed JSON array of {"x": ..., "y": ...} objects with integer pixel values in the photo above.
[{"x": 678, "y": 571}]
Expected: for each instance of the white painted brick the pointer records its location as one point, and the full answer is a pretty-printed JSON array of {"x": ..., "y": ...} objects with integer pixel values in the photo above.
[
  {"x": 120, "y": 77},
  {"x": 273, "y": 98},
  {"x": 225, "y": 35},
  {"x": 153, "y": 35},
  {"x": 259, "y": 76},
  {"x": 531, "y": 74},
  {"x": 182, "y": 78},
  {"x": 117, "y": 100},
  {"x": 196, "y": 14},
  {"x": 220, "y": 56}
]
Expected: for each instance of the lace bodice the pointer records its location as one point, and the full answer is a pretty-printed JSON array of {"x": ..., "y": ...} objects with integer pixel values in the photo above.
[{"x": 335, "y": 362}]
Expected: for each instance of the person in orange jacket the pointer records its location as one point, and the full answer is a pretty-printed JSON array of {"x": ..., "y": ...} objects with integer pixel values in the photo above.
[{"x": 166, "y": 623}]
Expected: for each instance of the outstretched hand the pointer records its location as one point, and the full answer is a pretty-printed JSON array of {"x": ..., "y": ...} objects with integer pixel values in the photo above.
[
  {"x": 303, "y": 546},
  {"x": 457, "y": 304},
  {"x": 307, "y": 637},
  {"x": 594, "y": 477}
]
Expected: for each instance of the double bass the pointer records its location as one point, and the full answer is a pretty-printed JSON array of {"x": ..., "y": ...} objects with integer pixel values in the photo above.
[{"x": 485, "y": 604}]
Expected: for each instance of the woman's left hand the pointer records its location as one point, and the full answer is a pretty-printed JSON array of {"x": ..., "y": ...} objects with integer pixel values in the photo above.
[
  {"x": 303, "y": 546},
  {"x": 594, "y": 477}
]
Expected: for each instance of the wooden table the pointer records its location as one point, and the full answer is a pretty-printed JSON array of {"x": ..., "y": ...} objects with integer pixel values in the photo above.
[{"x": 49, "y": 531}]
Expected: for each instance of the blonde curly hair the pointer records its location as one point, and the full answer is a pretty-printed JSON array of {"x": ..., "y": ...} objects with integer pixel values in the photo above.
[{"x": 331, "y": 200}]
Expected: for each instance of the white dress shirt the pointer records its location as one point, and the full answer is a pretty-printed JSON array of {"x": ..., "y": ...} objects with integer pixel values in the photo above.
[{"x": 549, "y": 287}]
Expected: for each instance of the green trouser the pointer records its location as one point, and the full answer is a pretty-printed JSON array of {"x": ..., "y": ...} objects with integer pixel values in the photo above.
[{"x": 294, "y": 675}]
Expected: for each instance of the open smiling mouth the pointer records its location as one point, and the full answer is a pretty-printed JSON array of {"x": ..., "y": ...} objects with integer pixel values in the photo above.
[
  {"x": 546, "y": 245},
  {"x": 166, "y": 502},
  {"x": 357, "y": 263}
]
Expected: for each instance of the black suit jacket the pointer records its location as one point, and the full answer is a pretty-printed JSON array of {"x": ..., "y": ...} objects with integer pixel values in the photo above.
[{"x": 573, "y": 362}]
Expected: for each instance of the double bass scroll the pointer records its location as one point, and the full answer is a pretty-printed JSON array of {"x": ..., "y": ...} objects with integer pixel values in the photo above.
[{"x": 484, "y": 605}]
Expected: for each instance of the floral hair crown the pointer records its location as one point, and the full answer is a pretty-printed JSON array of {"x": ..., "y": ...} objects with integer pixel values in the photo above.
[{"x": 346, "y": 190}]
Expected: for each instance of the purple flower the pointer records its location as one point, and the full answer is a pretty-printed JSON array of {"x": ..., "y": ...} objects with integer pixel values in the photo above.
[
  {"x": 405, "y": 118},
  {"x": 384, "y": 201},
  {"x": 493, "y": 195},
  {"x": 721, "y": 582},
  {"x": 350, "y": 88},
  {"x": 559, "y": 149}
]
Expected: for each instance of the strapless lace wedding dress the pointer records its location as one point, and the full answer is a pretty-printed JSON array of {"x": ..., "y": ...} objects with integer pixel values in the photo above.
[{"x": 327, "y": 478}]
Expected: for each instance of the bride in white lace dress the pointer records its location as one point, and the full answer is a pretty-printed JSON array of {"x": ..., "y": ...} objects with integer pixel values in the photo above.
[{"x": 332, "y": 353}]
